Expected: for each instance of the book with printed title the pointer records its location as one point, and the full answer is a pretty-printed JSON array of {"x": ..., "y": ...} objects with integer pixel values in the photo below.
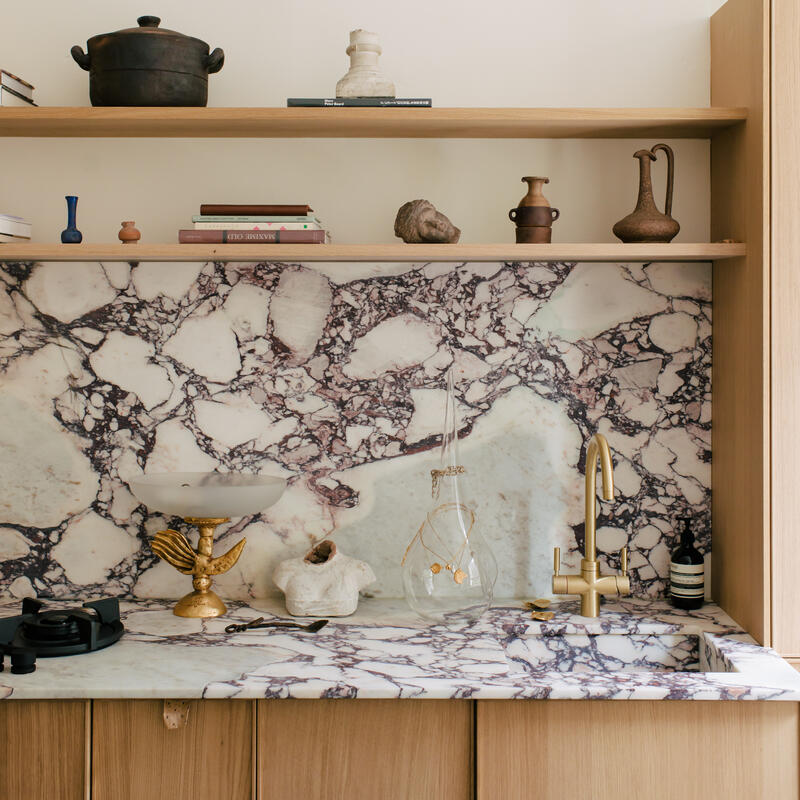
[{"x": 194, "y": 236}]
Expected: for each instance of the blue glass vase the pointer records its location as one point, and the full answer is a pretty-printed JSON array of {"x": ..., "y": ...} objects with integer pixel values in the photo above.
[{"x": 71, "y": 235}]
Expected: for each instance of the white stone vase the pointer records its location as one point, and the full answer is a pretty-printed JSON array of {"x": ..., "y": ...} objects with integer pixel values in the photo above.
[
  {"x": 324, "y": 583},
  {"x": 364, "y": 78}
]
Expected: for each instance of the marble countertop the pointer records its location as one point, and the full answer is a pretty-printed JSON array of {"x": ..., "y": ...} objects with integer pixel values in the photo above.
[{"x": 636, "y": 649}]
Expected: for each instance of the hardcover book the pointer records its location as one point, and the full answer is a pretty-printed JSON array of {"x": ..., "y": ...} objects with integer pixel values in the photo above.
[
  {"x": 250, "y": 237},
  {"x": 257, "y": 226},
  {"x": 15, "y": 226},
  {"x": 214, "y": 209},
  {"x": 354, "y": 102},
  {"x": 255, "y": 218},
  {"x": 21, "y": 87},
  {"x": 8, "y": 97}
]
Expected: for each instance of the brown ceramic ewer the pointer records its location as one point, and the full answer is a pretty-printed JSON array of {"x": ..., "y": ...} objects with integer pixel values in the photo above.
[
  {"x": 129, "y": 233},
  {"x": 646, "y": 223}
]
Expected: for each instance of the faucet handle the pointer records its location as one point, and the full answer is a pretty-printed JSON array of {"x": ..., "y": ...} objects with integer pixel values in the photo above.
[
  {"x": 623, "y": 561},
  {"x": 556, "y": 561}
]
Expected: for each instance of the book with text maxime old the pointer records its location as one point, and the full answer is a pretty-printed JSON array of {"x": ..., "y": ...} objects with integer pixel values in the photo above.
[
  {"x": 250, "y": 237},
  {"x": 359, "y": 102}
]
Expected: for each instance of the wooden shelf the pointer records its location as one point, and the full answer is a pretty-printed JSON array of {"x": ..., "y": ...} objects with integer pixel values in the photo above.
[
  {"x": 464, "y": 123},
  {"x": 399, "y": 252}
]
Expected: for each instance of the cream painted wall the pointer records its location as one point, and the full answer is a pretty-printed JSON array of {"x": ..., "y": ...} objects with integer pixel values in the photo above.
[{"x": 507, "y": 53}]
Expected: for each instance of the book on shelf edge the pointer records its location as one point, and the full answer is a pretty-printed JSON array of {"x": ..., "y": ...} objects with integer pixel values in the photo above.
[
  {"x": 250, "y": 237},
  {"x": 307, "y": 218},
  {"x": 5, "y": 237},
  {"x": 359, "y": 102},
  {"x": 8, "y": 97},
  {"x": 252, "y": 226},
  {"x": 11, "y": 226},
  {"x": 216, "y": 209},
  {"x": 11, "y": 81}
]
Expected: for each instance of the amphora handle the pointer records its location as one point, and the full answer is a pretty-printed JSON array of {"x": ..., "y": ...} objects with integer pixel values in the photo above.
[{"x": 670, "y": 174}]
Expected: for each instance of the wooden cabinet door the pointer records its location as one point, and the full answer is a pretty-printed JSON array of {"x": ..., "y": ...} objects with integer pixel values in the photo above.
[
  {"x": 608, "y": 749},
  {"x": 43, "y": 745},
  {"x": 365, "y": 749},
  {"x": 135, "y": 756}
]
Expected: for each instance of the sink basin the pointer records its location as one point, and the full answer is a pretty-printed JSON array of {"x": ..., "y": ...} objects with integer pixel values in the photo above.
[
  {"x": 606, "y": 653},
  {"x": 208, "y": 494}
]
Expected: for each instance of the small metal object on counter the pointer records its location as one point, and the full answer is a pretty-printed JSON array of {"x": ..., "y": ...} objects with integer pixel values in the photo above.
[
  {"x": 537, "y": 605},
  {"x": 148, "y": 66},
  {"x": 259, "y": 623},
  {"x": 542, "y": 616}
]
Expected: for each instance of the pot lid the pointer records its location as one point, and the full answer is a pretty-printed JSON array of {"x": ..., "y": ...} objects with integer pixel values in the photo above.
[{"x": 148, "y": 26}]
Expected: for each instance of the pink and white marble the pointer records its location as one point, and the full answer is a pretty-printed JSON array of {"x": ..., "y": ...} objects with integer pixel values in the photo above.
[{"x": 333, "y": 377}]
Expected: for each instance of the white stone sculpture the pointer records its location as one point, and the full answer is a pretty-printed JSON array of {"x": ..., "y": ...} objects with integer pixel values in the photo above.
[
  {"x": 364, "y": 78},
  {"x": 324, "y": 582}
]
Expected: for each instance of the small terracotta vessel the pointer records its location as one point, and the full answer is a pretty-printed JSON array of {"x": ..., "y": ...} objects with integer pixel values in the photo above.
[
  {"x": 129, "y": 233},
  {"x": 646, "y": 223},
  {"x": 534, "y": 197}
]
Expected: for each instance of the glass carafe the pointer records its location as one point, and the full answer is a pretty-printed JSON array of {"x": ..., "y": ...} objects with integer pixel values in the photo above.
[{"x": 449, "y": 570}]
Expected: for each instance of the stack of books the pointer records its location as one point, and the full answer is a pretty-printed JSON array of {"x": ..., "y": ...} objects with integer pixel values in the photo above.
[
  {"x": 14, "y": 229},
  {"x": 14, "y": 91},
  {"x": 254, "y": 224}
]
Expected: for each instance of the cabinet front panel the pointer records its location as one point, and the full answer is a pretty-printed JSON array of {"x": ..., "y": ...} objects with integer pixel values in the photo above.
[
  {"x": 136, "y": 757},
  {"x": 365, "y": 749},
  {"x": 43, "y": 749},
  {"x": 607, "y": 749}
]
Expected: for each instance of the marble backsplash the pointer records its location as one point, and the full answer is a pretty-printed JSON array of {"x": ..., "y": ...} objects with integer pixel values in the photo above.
[{"x": 333, "y": 376}]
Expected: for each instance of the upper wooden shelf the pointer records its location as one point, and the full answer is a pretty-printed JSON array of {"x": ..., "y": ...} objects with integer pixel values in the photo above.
[
  {"x": 464, "y": 123},
  {"x": 399, "y": 252}
]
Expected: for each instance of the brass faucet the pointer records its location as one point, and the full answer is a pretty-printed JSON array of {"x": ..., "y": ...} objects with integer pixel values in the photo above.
[{"x": 590, "y": 584}]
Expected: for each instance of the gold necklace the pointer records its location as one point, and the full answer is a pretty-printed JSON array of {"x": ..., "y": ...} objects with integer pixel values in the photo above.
[{"x": 452, "y": 564}]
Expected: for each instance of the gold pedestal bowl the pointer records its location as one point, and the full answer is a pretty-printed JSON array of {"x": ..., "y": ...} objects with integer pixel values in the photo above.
[{"x": 205, "y": 500}]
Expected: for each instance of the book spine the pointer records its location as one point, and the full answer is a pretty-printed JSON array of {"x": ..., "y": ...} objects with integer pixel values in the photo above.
[
  {"x": 359, "y": 102},
  {"x": 256, "y": 219},
  {"x": 13, "y": 228},
  {"x": 250, "y": 237},
  {"x": 8, "y": 97},
  {"x": 254, "y": 226},
  {"x": 20, "y": 86},
  {"x": 212, "y": 210}
]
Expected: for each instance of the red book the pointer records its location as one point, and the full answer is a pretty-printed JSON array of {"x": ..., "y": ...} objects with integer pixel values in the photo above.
[
  {"x": 215, "y": 210},
  {"x": 200, "y": 236}
]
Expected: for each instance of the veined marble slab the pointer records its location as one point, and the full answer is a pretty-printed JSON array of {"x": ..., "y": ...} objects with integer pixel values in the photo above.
[
  {"x": 384, "y": 651},
  {"x": 333, "y": 377}
]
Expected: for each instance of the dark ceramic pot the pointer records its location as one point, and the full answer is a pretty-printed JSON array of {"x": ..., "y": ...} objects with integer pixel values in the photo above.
[{"x": 148, "y": 66}]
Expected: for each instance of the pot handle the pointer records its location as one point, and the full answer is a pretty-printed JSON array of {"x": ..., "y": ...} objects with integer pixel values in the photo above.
[
  {"x": 213, "y": 61},
  {"x": 81, "y": 58},
  {"x": 556, "y": 213}
]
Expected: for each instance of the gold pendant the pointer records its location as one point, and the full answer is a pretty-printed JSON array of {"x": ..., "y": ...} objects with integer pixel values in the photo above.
[
  {"x": 537, "y": 605},
  {"x": 542, "y": 616},
  {"x": 459, "y": 575},
  {"x": 436, "y": 568}
]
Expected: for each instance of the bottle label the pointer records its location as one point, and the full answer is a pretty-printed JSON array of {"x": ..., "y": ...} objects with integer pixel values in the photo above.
[{"x": 687, "y": 580}]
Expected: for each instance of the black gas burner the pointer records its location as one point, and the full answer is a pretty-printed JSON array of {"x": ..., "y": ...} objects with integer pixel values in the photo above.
[{"x": 60, "y": 632}]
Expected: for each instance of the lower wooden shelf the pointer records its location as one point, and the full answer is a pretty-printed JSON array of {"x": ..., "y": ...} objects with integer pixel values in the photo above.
[{"x": 395, "y": 252}]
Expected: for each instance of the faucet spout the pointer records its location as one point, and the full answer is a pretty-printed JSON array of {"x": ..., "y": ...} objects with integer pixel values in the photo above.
[
  {"x": 598, "y": 449},
  {"x": 590, "y": 584}
]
